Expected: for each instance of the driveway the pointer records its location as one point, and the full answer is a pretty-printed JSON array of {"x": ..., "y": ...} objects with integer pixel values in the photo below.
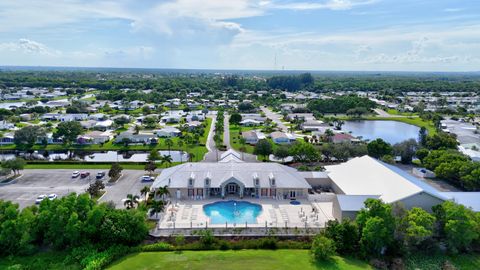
[
  {"x": 276, "y": 118},
  {"x": 211, "y": 155},
  {"x": 129, "y": 183}
]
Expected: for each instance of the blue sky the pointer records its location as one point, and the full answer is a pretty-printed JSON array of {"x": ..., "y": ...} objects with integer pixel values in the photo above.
[{"x": 393, "y": 35}]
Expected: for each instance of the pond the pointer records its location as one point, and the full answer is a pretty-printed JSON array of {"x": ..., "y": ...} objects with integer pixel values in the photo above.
[
  {"x": 108, "y": 156},
  {"x": 390, "y": 131}
]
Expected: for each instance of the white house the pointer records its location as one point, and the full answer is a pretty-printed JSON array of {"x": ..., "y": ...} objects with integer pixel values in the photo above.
[{"x": 282, "y": 138}]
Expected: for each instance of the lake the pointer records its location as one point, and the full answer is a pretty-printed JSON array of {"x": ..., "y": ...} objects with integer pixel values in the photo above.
[{"x": 390, "y": 131}]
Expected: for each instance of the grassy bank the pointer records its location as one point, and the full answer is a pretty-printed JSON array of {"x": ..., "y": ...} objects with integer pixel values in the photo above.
[
  {"x": 80, "y": 166},
  {"x": 244, "y": 259}
]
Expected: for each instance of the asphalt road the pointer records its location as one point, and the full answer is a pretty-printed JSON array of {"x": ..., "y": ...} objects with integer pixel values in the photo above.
[
  {"x": 33, "y": 183},
  {"x": 275, "y": 118}
]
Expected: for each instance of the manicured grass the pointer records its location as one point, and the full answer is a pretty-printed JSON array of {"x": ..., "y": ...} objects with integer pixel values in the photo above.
[
  {"x": 52, "y": 166},
  {"x": 43, "y": 260},
  {"x": 235, "y": 135},
  {"x": 244, "y": 259}
]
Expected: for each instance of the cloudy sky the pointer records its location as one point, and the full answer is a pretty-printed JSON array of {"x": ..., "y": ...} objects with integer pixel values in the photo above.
[{"x": 407, "y": 35}]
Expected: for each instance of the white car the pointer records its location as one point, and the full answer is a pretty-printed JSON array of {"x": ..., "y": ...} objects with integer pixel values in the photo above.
[
  {"x": 75, "y": 174},
  {"x": 40, "y": 198},
  {"x": 52, "y": 196},
  {"x": 146, "y": 178}
]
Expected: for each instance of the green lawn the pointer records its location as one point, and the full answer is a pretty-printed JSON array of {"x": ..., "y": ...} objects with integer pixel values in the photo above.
[
  {"x": 79, "y": 166},
  {"x": 44, "y": 260},
  {"x": 244, "y": 259}
]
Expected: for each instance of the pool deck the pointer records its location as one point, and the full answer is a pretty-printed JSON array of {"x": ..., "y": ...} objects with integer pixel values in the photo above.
[{"x": 186, "y": 215}]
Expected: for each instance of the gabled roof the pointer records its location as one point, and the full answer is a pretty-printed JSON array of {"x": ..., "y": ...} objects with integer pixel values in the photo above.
[
  {"x": 368, "y": 176},
  {"x": 353, "y": 202},
  {"x": 219, "y": 172}
]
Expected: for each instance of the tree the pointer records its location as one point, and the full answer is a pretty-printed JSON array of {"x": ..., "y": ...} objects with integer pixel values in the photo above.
[
  {"x": 459, "y": 225},
  {"x": 406, "y": 150},
  {"x": 379, "y": 148},
  {"x": 154, "y": 156},
  {"x": 68, "y": 131},
  {"x": 377, "y": 225},
  {"x": 235, "y": 119},
  {"x": 441, "y": 140},
  {"x": 322, "y": 248},
  {"x": 131, "y": 201},
  {"x": 263, "y": 148},
  {"x": 180, "y": 145},
  {"x": 115, "y": 171},
  {"x": 281, "y": 153},
  {"x": 156, "y": 207},
  {"x": 95, "y": 188},
  {"x": 28, "y": 135},
  {"x": 146, "y": 110},
  {"x": 344, "y": 234},
  {"x": 421, "y": 154},
  {"x": 145, "y": 191},
  {"x": 169, "y": 144},
  {"x": 150, "y": 167},
  {"x": 166, "y": 160},
  {"x": 419, "y": 227},
  {"x": 15, "y": 164},
  {"x": 303, "y": 152},
  {"x": 422, "y": 137},
  {"x": 162, "y": 192}
]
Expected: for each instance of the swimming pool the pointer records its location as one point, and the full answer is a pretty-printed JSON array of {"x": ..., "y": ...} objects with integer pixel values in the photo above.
[{"x": 232, "y": 212}]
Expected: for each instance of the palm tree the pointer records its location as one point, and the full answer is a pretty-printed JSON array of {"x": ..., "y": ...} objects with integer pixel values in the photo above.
[
  {"x": 137, "y": 129},
  {"x": 191, "y": 156},
  {"x": 162, "y": 192},
  {"x": 157, "y": 207},
  {"x": 169, "y": 144},
  {"x": 166, "y": 160},
  {"x": 329, "y": 134},
  {"x": 131, "y": 201},
  {"x": 145, "y": 191},
  {"x": 180, "y": 144}
]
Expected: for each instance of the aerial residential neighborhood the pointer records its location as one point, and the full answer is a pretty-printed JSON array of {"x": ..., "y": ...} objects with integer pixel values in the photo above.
[{"x": 280, "y": 134}]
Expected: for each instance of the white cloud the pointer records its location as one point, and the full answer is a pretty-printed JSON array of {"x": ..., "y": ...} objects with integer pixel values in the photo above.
[
  {"x": 27, "y": 46},
  {"x": 330, "y": 4}
]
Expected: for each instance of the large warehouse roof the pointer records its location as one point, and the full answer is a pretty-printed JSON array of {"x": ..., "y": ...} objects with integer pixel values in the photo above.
[{"x": 368, "y": 176}]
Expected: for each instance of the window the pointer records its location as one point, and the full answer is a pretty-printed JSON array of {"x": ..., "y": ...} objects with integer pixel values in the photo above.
[
  {"x": 190, "y": 182},
  {"x": 273, "y": 181},
  {"x": 207, "y": 182},
  {"x": 257, "y": 182}
]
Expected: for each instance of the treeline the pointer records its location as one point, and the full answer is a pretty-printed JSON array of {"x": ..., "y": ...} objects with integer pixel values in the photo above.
[
  {"x": 341, "y": 104},
  {"x": 66, "y": 223},
  {"x": 291, "y": 83},
  {"x": 384, "y": 231}
]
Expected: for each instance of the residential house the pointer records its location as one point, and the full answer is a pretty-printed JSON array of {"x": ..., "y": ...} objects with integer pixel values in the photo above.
[
  {"x": 136, "y": 138},
  {"x": 168, "y": 132},
  {"x": 94, "y": 137},
  {"x": 282, "y": 138}
]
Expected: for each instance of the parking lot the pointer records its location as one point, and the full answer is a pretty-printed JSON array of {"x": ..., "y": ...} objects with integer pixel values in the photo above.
[{"x": 33, "y": 183}]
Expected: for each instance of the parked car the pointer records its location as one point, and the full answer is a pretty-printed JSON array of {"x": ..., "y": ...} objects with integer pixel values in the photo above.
[
  {"x": 100, "y": 175},
  {"x": 40, "y": 198},
  {"x": 146, "y": 178},
  {"x": 84, "y": 174},
  {"x": 52, "y": 196},
  {"x": 75, "y": 174}
]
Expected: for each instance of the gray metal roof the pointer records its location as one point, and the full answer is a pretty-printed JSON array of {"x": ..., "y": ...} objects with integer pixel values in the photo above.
[
  {"x": 220, "y": 172},
  {"x": 354, "y": 202}
]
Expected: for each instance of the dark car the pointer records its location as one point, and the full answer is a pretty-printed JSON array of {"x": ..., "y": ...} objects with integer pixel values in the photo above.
[
  {"x": 100, "y": 175},
  {"x": 84, "y": 174}
]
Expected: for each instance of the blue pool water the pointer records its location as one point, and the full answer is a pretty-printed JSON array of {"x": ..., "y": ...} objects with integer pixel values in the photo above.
[{"x": 237, "y": 212}]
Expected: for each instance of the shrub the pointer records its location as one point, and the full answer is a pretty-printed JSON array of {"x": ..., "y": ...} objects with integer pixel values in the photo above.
[
  {"x": 268, "y": 243},
  {"x": 322, "y": 248},
  {"x": 160, "y": 246},
  {"x": 207, "y": 239}
]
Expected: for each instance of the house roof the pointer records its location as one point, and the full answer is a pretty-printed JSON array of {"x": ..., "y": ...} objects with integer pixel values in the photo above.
[
  {"x": 221, "y": 172},
  {"x": 353, "y": 202},
  {"x": 368, "y": 176}
]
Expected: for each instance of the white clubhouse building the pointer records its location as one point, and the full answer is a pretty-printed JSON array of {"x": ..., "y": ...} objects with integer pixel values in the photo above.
[{"x": 349, "y": 184}]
